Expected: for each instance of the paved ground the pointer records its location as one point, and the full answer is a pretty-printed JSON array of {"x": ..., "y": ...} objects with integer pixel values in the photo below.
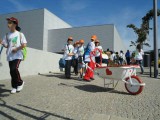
[{"x": 52, "y": 97}]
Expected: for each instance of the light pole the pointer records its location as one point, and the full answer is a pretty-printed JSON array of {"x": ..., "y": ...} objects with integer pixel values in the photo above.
[{"x": 155, "y": 40}]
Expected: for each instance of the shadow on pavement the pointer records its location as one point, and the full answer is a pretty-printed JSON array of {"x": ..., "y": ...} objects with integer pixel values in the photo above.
[
  {"x": 46, "y": 114},
  {"x": 59, "y": 75},
  {"x": 3, "y": 92},
  {"x": 43, "y": 117},
  {"x": 94, "y": 89},
  {"x": 147, "y": 74}
]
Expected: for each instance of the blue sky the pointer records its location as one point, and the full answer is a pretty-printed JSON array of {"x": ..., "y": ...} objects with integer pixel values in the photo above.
[{"x": 91, "y": 12}]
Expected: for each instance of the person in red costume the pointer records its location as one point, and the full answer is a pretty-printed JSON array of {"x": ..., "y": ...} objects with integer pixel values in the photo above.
[{"x": 89, "y": 75}]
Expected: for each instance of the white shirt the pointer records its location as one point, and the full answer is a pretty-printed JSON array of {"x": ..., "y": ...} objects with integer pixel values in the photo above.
[
  {"x": 112, "y": 56},
  {"x": 139, "y": 55},
  {"x": 97, "y": 52},
  {"x": 81, "y": 51},
  {"x": 105, "y": 56},
  {"x": 68, "y": 49},
  {"x": 75, "y": 52},
  {"x": 91, "y": 46},
  {"x": 121, "y": 55},
  {"x": 12, "y": 40}
]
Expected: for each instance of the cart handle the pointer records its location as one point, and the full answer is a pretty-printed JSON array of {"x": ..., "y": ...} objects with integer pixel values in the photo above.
[{"x": 93, "y": 54}]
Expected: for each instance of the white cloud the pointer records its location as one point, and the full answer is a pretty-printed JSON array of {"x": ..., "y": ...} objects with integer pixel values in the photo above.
[
  {"x": 72, "y": 5},
  {"x": 18, "y": 6}
]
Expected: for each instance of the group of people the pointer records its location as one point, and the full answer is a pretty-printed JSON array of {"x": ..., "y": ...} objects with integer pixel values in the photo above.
[{"x": 78, "y": 56}]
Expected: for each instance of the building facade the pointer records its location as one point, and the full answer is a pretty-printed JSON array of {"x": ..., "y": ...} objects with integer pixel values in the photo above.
[{"x": 45, "y": 31}]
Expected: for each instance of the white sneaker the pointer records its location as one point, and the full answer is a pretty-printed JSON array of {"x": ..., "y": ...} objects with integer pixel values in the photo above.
[
  {"x": 13, "y": 90},
  {"x": 19, "y": 88}
]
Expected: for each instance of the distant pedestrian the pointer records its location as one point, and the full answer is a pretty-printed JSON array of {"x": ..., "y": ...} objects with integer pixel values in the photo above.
[
  {"x": 81, "y": 64},
  {"x": 75, "y": 57},
  {"x": 113, "y": 55},
  {"x": 116, "y": 60},
  {"x": 14, "y": 41},
  {"x": 98, "y": 57},
  {"x": 108, "y": 52},
  {"x": 121, "y": 57},
  {"x": 68, "y": 53},
  {"x": 128, "y": 57},
  {"x": 139, "y": 57}
]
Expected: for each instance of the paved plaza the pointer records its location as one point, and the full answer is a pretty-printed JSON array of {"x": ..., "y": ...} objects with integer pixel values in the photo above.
[{"x": 52, "y": 97}]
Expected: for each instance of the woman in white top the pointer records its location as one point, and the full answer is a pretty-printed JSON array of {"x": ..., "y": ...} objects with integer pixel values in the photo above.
[
  {"x": 14, "y": 41},
  {"x": 139, "y": 57},
  {"x": 68, "y": 53},
  {"x": 121, "y": 57},
  {"x": 97, "y": 57}
]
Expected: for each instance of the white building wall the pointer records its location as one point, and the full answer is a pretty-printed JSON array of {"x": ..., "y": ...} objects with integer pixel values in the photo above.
[
  {"x": 37, "y": 61},
  {"x": 31, "y": 23},
  {"x": 118, "y": 43},
  {"x": 58, "y": 38},
  {"x": 51, "y": 21}
]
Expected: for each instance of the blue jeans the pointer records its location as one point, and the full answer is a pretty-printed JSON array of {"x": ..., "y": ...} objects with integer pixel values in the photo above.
[{"x": 139, "y": 62}]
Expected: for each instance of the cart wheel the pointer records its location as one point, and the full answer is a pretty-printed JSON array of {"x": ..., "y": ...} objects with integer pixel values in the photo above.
[{"x": 134, "y": 90}]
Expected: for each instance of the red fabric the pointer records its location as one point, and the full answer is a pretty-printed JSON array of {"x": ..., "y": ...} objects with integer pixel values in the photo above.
[{"x": 89, "y": 73}]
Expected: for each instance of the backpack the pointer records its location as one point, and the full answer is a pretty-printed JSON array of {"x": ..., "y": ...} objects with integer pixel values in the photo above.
[
  {"x": 24, "y": 50},
  {"x": 62, "y": 63}
]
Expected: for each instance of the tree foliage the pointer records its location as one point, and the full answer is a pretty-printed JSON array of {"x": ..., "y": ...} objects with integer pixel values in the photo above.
[{"x": 143, "y": 31}]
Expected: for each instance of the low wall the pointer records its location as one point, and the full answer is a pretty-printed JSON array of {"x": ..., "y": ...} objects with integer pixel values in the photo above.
[{"x": 37, "y": 61}]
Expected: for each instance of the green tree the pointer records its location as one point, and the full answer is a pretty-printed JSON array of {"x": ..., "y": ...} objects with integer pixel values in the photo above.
[{"x": 143, "y": 31}]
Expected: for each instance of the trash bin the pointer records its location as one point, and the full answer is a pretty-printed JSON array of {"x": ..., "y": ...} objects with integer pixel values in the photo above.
[{"x": 146, "y": 60}]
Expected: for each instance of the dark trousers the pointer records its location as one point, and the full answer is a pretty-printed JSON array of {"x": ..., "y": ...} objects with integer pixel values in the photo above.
[
  {"x": 98, "y": 60},
  {"x": 68, "y": 68},
  {"x": 14, "y": 72},
  {"x": 75, "y": 66},
  {"x": 128, "y": 60}
]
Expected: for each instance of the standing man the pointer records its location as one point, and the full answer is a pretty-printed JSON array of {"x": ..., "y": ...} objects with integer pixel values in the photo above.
[
  {"x": 128, "y": 57},
  {"x": 139, "y": 57},
  {"x": 89, "y": 75},
  {"x": 14, "y": 41},
  {"x": 68, "y": 53}
]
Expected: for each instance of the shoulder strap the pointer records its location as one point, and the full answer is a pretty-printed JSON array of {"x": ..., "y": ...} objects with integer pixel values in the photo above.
[
  {"x": 20, "y": 37},
  {"x": 7, "y": 38},
  {"x": 68, "y": 48}
]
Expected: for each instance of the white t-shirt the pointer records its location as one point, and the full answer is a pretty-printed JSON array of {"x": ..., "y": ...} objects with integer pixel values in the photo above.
[
  {"x": 91, "y": 46},
  {"x": 139, "y": 55},
  {"x": 121, "y": 55},
  {"x": 105, "y": 56},
  {"x": 97, "y": 52},
  {"x": 76, "y": 52},
  {"x": 81, "y": 51},
  {"x": 12, "y": 40},
  {"x": 112, "y": 56},
  {"x": 68, "y": 49}
]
